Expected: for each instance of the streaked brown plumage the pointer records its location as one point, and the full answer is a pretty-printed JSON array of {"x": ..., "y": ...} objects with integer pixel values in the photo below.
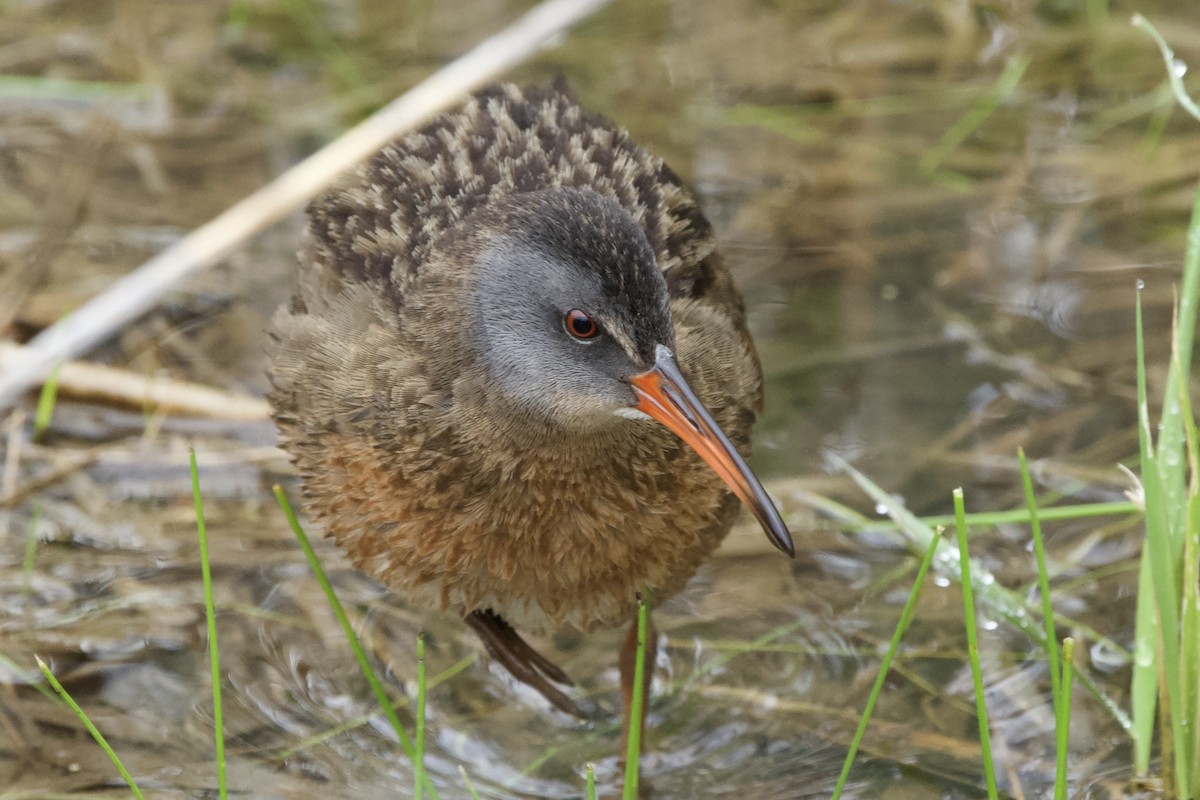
[{"x": 400, "y": 385}]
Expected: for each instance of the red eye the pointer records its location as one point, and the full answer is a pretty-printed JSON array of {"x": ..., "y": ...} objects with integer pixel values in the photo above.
[{"x": 580, "y": 325}]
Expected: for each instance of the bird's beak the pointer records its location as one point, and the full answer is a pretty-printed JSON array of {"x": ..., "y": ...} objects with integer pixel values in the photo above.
[{"x": 663, "y": 394}]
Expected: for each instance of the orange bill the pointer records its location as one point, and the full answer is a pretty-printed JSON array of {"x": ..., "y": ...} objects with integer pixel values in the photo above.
[{"x": 663, "y": 394}]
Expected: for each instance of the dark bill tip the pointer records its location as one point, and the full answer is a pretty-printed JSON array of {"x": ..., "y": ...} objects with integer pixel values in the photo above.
[{"x": 665, "y": 395}]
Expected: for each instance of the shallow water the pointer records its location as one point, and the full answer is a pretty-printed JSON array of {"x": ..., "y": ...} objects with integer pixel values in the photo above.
[{"x": 923, "y": 306}]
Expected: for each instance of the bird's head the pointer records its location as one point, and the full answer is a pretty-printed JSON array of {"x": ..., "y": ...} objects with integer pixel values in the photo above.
[{"x": 570, "y": 317}]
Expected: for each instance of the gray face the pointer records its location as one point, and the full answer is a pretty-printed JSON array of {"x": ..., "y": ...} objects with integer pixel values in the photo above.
[{"x": 557, "y": 251}]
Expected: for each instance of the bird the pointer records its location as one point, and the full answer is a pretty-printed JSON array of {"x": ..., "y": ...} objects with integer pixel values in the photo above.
[{"x": 516, "y": 379}]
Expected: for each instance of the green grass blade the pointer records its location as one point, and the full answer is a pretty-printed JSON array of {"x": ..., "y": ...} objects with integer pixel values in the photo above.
[
  {"x": 905, "y": 528},
  {"x": 1182, "y": 342},
  {"x": 1143, "y": 689},
  {"x": 355, "y": 645},
  {"x": 1062, "y": 720},
  {"x": 1183, "y": 339},
  {"x": 1039, "y": 552},
  {"x": 984, "y": 107},
  {"x": 47, "y": 398},
  {"x": 1171, "y": 435},
  {"x": 1019, "y": 516},
  {"x": 1189, "y": 631},
  {"x": 851, "y": 520},
  {"x": 31, "y": 543},
  {"x": 906, "y": 616},
  {"x": 1189, "y": 295},
  {"x": 591, "y": 781},
  {"x": 633, "y": 749},
  {"x": 558, "y": 747},
  {"x": 1144, "y": 683},
  {"x": 1174, "y": 72},
  {"x": 999, "y": 601},
  {"x": 92, "y": 729},
  {"x": 65, "y": 90},
  {"x": 985, "y": 738},
  {"x": 28, "y": 676},
  {"x": 419, "y": 764},
  {"x": 1163, "y": 570},
  {"x": 210, "y": 616},
  {"x": 466, "y": 779}
]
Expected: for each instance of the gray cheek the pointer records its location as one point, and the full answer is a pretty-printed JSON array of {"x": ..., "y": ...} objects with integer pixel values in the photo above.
[
  {"x": 517, "y": 332},
  {"x": 515, "y": 359},
  {"x": 547, "y": 374}
]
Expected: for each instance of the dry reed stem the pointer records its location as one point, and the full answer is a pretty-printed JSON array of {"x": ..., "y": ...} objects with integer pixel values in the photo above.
[
  {"x": 112, "y": 385},
  {"x": 138, "y": 291}
]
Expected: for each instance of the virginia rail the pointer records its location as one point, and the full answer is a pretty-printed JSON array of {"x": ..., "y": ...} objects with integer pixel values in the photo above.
[{"x": 481, "y": 375}]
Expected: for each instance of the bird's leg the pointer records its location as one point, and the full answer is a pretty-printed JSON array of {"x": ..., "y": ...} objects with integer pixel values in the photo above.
[
  {"x": 524, "y": 663},
  {"x": 626, "y": 665}
]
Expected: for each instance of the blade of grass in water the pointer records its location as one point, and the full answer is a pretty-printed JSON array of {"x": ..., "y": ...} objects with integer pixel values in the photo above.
[
  {"x": 998, "y": 601},
  {"x": 968, "y": 597},
  {"x": 599, "y": 731},
  {"x": 905, "y": 618},
  {"x": 985, "y": 106},
  {"x": 853, "y": 521},
  {"x": 591, "y": 781},
  {"x": 917, "y": 531},
  {"x": 1021, "y": 516},
  {"x": 466, "y": 779},
  {"x": 210, "y": 616},
  {"x": 30, "y": 551},
  {"x": 1190, "y": 623},
  {"x": 1189, "y": 570},
  {"x": 359, "y": 654},
  {"x": 17, "y": 673},
  {"x": 45, "y": 404},
  {"x": 1144, "y": 683},
  {"x": 1170, "y": 437},
  {"x": 637, "y": 702},
  {"x": 419, "y": 764},
  {"x": 1039, "y": 552},
  {"x": 72, "y": 91},
  {"x": 1172, "y": 519},
  {"x": 92, "y": 729},
  {"x": 1175, "y": 68},
  {"x": 1062, "y": 719},
  {"x": 1163, "y": 575},
  {"x": 1145, "y": 688}
]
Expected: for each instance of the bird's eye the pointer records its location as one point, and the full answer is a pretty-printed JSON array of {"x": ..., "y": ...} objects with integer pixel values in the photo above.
[{"x": 580, "y": 325}]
